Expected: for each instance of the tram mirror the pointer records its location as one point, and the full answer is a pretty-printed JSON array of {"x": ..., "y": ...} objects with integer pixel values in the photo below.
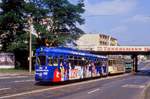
[{"x": 83, "y": 58}]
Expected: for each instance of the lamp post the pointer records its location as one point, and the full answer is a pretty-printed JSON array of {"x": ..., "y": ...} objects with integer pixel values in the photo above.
[{"x": 30, "y": 43}]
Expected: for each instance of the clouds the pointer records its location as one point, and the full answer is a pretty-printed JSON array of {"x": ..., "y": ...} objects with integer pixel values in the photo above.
[
  {"x": 127, "y": 20},
  {"x": 110, "y": 7},
  {"x": 139, "y": 19},
  {"x": 130, "y": 22},
  {"x": 119, "y": 29}
]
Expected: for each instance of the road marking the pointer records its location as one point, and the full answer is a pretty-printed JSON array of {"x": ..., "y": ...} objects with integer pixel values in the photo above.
[
  {"x": 13, "y": 77},
  {"x": 4, "y": 89},
  {"x": 58, "y": 87},
  {"x": 93, "y": 91},
  {"x": 144, "y": 68},
  {"x": 17, "y": 81},
  {"x": 133, "y": 86}
]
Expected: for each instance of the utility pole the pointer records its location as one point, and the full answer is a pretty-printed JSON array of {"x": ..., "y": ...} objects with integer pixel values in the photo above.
[{"x": 30, "y": 43}]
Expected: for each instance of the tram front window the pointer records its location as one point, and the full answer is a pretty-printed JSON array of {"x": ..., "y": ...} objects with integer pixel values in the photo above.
[{"x": 41, "y": 60}]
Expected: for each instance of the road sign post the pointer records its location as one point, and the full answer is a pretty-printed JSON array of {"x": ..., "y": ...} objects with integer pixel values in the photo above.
[{"x": 30, "y": 43}]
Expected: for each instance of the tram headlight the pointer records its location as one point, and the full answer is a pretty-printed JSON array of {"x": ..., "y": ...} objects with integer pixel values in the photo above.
[
  {"x": 45, "y": 73},
  {"x": 40, "y": 74}
]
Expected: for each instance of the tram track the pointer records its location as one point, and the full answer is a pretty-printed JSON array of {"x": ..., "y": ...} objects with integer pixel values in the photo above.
[{"x": 21, "y": 89}]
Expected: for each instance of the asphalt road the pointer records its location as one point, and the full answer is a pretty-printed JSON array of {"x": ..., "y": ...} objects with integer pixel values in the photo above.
[{"x": 126, "y": 86}]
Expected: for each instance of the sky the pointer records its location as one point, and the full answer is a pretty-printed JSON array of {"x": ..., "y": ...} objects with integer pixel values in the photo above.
[{"x": 126, "y": 20}]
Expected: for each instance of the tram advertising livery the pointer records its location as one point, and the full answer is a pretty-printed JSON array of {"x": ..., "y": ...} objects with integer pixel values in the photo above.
[{"x": 62, "y": 64}]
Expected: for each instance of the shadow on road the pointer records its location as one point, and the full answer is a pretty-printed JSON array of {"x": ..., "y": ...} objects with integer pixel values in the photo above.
[
  {"x": 139, "y": 73},
  {"x": 63, "y": 83},
  {"x": 143, "y": 73},
  {"x": 71, "y": 81}
]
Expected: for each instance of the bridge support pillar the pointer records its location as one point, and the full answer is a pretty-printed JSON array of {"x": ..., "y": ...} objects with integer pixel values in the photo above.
[{"x": 135, "y": 63}]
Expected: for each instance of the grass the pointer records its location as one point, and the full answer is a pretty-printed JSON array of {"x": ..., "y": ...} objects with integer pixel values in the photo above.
[{"x": 14, "y": 71}]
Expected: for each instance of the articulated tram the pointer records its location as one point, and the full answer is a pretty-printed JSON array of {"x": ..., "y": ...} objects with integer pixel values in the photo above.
[
  {"x": 62, "y": 64},
  {"x": 116, "y": 66},
  {"x": 128, "y": 65}
]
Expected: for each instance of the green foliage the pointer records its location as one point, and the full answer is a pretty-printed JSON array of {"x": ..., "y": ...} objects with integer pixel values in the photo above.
[
  {"x": 11, "y": 21},
  {"x": 62, "y": 19},
  {"x": 20, "y": 42}
]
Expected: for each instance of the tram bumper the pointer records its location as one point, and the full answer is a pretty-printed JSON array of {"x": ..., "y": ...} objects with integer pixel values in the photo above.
[{"x": 42, "y": 75}]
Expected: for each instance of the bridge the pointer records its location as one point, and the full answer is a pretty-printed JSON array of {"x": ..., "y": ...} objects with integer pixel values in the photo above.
[{"x": 134, "y": 51}]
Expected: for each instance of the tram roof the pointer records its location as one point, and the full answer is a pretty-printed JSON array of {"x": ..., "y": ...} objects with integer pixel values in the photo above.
[{"x": 64, "y": 50}]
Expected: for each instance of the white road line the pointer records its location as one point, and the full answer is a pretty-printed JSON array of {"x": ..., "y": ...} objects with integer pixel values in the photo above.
[
  {"x": 144, "y": 68},
  {"x": 13, "y": 77},
  {"x": 145, "y": 89},
  {"x": 17, "y": 81},
  {"x": 4, "y": 89},
  {"x": 93, "y": 91},
  {"x": 133, "y": 86},
  {"x": 58, "y": 87}
]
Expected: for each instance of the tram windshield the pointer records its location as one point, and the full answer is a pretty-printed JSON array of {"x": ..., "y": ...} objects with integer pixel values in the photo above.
[{"x": 41, "y": 60}]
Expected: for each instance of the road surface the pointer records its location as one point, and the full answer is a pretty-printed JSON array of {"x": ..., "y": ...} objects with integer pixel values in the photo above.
[{"x": 126, "y": 86}]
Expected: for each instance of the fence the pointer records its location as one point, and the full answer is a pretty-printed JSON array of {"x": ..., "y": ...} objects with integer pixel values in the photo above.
[{"x": 7, "y": 60}]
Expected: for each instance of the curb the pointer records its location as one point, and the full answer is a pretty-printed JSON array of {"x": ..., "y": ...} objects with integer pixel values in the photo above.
[
  {"x": 144, "y": 96},
  {"x": 16, "y": 74}
]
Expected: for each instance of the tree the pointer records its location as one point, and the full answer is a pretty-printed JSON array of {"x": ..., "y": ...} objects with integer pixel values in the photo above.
[
  {"x": 11, "y": 21},
  {"x": 61, "y": 22},
  {"x": 61, "y": 18}
]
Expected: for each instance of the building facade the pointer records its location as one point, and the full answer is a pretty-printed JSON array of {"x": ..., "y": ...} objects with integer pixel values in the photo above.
[{"x": 89, "y": 41}]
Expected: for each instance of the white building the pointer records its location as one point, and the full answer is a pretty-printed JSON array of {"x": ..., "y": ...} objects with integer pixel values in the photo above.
[{"x": 89, "y": 41}]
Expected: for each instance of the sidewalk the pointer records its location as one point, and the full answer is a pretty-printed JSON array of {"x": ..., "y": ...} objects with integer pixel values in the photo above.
[
  {"x": 147, "y": 92},
  {"x": 15, "y": 73}
]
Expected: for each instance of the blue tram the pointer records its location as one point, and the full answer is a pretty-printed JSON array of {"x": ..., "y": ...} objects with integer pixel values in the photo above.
[{"x": 62, "y": 64}]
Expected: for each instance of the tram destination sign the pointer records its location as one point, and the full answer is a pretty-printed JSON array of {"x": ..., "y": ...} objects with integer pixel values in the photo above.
[{"x": 123, "y": 48}]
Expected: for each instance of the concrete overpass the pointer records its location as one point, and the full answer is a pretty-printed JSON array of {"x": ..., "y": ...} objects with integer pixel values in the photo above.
[
  {"x": 123, "y": 50},
  {"x": 134, "y": 51}
]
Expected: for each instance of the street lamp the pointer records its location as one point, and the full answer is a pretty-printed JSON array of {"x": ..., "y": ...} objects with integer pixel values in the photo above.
[{"x": 30, "y": 21}]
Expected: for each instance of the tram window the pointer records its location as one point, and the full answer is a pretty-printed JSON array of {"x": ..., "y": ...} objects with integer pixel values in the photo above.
[
  {"x": 41, "y": 60},
  {"x": 116, "y": 61},
  {"x": 79, "y": 61},
  {"x": 104, "y": 63},
  {"x": 113, "y": 62},
  {"x": 71, "y": 60},
  {"x": 70, "y": 57},
  {"x": 87, "y": 60},
  {"x": 110, "y": 62},
  {"x": 83, "y": 61},
  {"x": 79, "y": 58},
  {"x": 96, "y": 62},
  {"x": 120, "y": 62},
  {"x": 101, "y": 63},
  {"x": 66, "y": 60},
  {"x": 75, "y": 61},
  {"x": 50, "y": 61},
  {"x": 61, "y": 58},
  {"x": 55, "y": 61}
]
